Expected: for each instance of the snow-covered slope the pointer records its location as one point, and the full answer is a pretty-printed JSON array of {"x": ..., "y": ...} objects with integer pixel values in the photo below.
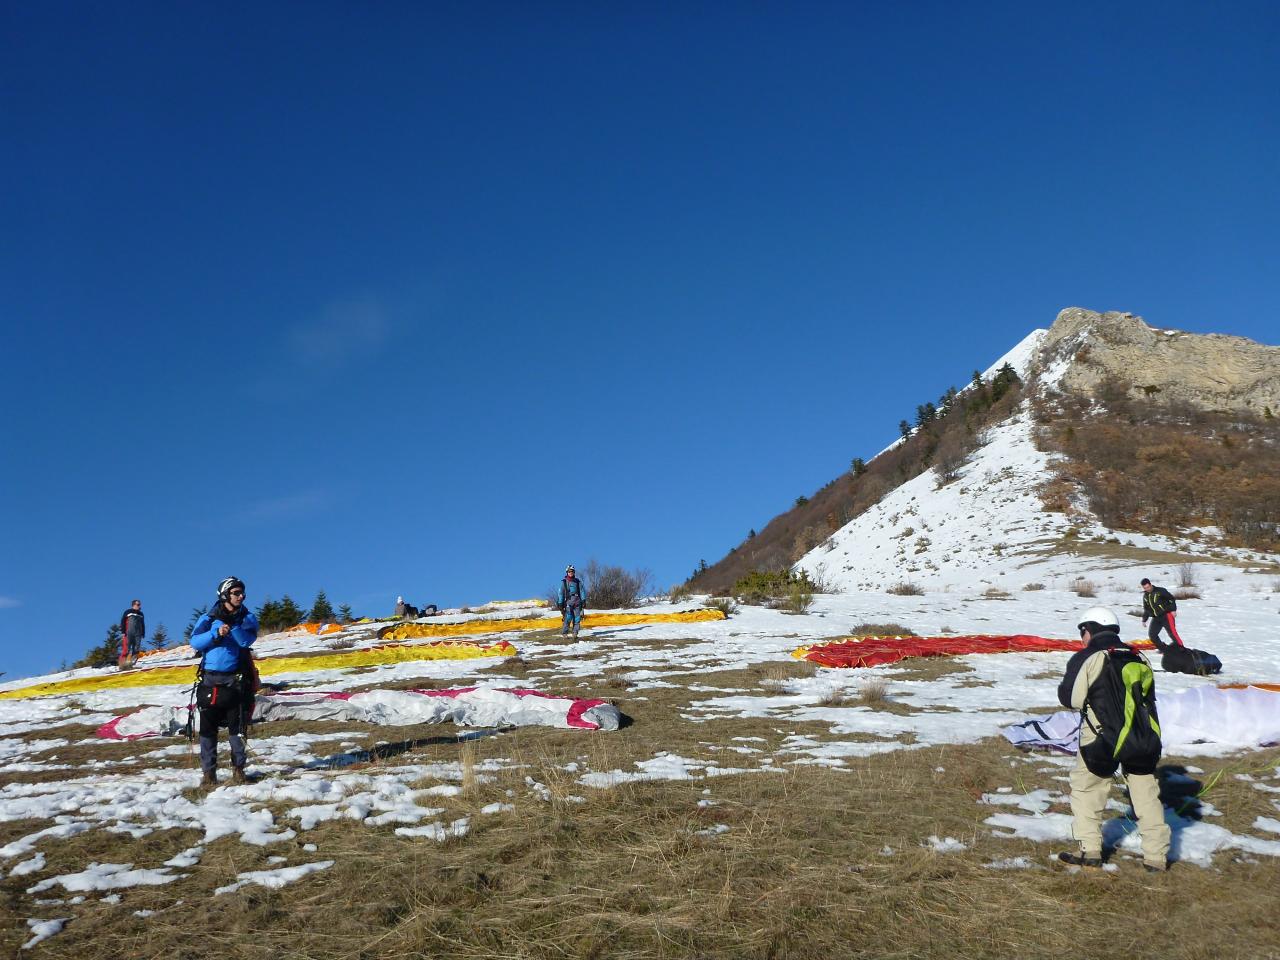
[
  {"x": 950, "y": 536},
  {"x": 989, "y": 529}
]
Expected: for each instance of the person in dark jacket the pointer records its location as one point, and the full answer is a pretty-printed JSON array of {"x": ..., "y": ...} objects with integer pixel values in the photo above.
[
  {"x": 571, "y": 600},
  {"x": 133, "y": 627},
  {"x": 1161, "y": 609},
  {"x": 1092, "y": 774},
  {"x": 225, "y": 693}
]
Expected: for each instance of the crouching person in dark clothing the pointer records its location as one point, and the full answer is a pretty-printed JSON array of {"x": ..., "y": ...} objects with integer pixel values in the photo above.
[{"x": 225, "y": 692}]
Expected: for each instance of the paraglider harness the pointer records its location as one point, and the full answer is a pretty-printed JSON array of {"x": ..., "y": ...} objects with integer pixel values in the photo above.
[
  {"x": 571, "y": 602},
  {"x": 244, "y": 682},
  {"x": 1123, "y": 699}
]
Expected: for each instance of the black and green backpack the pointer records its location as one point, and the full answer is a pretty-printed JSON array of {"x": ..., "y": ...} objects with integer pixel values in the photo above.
[{"x": 1123, "y": 699}]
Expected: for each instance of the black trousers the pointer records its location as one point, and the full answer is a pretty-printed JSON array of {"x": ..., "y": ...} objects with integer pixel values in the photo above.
[{"x": 221, "y": 706}]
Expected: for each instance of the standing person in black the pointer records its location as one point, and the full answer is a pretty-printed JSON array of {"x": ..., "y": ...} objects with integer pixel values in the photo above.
[
  {"x": 1161, "y": 609},
  {"x": 225, "y": 694},
  {"x": 133, "y": 627}
]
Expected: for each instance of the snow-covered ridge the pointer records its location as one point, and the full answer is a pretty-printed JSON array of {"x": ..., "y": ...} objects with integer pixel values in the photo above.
[{"x": 989, "y": 529}]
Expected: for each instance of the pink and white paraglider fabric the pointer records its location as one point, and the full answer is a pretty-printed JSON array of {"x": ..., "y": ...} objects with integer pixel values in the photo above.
[
  {"x": 466, "y": 707},
  {"x": 1235, "y": 717}
]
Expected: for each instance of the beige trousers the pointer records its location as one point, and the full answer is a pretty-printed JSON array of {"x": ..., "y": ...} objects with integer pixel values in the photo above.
[{"x": 1089, "y": 800}]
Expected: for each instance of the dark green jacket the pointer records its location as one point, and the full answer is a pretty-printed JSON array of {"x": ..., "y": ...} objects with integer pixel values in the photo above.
[{"x": 1157, "y": 603}]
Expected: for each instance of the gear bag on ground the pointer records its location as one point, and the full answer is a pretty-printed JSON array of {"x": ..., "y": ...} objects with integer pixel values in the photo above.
[{"x": 1186, "y": 660}]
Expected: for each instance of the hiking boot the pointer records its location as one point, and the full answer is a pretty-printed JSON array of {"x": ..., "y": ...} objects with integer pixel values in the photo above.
[
  {"x": 1155, "y": 867},
  {"x": 210, "y": 779},
  {"x": 238, "y": 775},
  {"x": 1080, "y": 860}
]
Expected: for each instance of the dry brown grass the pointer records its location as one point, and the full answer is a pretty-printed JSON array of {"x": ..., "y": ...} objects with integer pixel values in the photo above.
[
  {"x": 873, "y": 691},
  {"x": 799, "y": 874},
  {"x": 1084, "y": 588},
  {"x": 724, "y": 604},
  {"x": 905, "y": 588},
  {"x": 881, "y": 630},
  {"x": 1045, "y": 675}
]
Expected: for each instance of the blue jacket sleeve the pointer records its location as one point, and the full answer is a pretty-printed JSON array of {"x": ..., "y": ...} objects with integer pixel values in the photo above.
[
  {"x": 247, "y": 632},
  {"x": 204, "y": 635}
]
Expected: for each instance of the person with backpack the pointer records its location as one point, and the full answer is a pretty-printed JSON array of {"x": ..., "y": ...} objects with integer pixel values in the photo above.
[
  {"x": 1113, "y": 687},
  {"x": 571, "y": 601},
  {"x": 1161, "y": 609},
  {"x": 226, "y": 681},
  {"x": 133, "y": 627}
]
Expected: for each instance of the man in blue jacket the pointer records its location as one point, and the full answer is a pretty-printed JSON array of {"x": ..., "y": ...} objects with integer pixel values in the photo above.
[
  {"x": 571, "y": 601},
  {"x": 225, "y": 692}
]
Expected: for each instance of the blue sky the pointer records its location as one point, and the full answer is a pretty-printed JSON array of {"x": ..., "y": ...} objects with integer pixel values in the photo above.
[{"x": 432, "y": 299}]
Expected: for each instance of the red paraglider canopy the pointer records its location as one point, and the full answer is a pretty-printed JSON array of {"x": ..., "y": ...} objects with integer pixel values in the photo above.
[{"x": 877, "y": 651}]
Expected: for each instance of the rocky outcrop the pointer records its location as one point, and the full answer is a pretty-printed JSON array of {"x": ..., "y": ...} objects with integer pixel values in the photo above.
[{"x": 1084, "y": 349}]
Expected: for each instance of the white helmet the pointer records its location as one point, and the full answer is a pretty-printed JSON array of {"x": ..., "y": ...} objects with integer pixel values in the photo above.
[{"x": 1098, "y": 617}]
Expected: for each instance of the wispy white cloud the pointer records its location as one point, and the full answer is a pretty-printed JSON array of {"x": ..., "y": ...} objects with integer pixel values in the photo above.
[
  {"x": 9, "y": 602},
  {"x": 350, "y": 329},
  {"x": 286, "y": 507}
]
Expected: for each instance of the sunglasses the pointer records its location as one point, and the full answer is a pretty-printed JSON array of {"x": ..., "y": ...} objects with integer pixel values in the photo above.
[{"x": 236, "y": 593}]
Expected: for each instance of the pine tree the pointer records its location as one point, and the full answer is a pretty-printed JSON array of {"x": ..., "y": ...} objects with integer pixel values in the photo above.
[
  {"x": 858, "y": 465},
  {"x": 344, "y": 614},
  {"x": 267, "y": 616},
  {"x": 1004, "y": 379},
  {"x": 290, "y": 614},
  {"x": 159, "y": 637},
  {"x": 196, "y": 614},
  {"x": 904, "y": 428},
  {"x": 321, "y": 610},
  {"x": 104, "y": 654}
]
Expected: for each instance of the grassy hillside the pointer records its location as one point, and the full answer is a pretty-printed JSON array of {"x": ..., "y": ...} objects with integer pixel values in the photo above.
[
  {"x": 1144, "y": 464},
  {"x": 943, "y": 435}
]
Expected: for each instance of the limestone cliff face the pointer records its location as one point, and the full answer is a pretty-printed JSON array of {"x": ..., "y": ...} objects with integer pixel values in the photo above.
[{"x": 1211, "y": 371}]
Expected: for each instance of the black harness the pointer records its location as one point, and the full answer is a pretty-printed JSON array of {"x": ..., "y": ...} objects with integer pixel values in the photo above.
[{"x": 241, "y": 680}]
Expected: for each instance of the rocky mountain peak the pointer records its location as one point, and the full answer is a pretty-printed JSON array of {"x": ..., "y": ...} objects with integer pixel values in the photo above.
[{"x": 1084, "y": 349}]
